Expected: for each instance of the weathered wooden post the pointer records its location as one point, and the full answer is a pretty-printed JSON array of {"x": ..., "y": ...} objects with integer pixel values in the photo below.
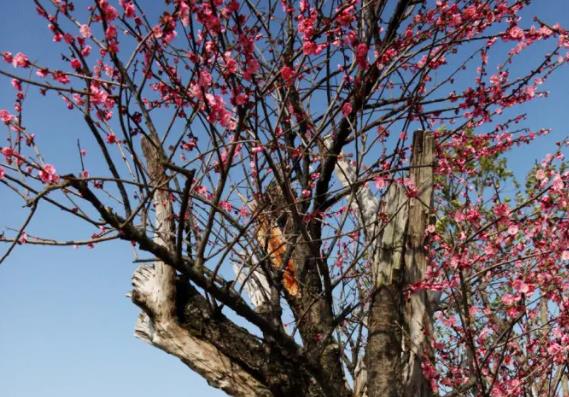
[
  {"x": 417, "y": 314},
  {"x": 396, "y": 340}
]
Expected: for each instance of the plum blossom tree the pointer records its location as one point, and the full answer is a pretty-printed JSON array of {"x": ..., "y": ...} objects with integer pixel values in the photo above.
[{"x": 315, "y": 188}]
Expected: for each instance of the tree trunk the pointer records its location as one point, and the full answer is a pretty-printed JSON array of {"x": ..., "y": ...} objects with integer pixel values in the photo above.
[
  {"x": 178, "y": 320},
  {"x": 397, "y": 328},
  {"x": 155, "y": 292},
  {"x": 383, "y": 353},
  {"x": 417, "y": 314}
]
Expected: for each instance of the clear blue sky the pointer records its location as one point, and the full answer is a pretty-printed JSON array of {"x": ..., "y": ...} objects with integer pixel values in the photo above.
[{"x": 66, "y": 327}]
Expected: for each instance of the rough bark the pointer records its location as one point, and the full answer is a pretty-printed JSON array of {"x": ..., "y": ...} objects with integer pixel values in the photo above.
[
  {"x": 397, "y": 328},
  {"x": 383, "y": 352},
  {"x": 417, "y": 308},
  {"x": 180, "y": 321},
  {"x": 282, "y": 374},
  {"x": 155, "y": 292},
  {"x": 311, "y": 308}
]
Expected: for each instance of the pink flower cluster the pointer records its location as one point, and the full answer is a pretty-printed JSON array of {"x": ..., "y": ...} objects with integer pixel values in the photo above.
[{"x": 48, "y": 174}]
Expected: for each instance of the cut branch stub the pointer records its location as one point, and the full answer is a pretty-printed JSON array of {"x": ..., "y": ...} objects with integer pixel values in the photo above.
[{"x": 155, "y": 292}]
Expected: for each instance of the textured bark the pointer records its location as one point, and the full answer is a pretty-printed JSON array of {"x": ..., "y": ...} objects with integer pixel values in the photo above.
[
  {"x": 283, "y": 375},
  {"x": 417, "y": 308},
  {"x": 166, "y": 333},
  {"x": 180, "y": 321},
  {"x": 315, "y": 323},
  {"x": 397, "y": 329},
  {"x": 383, "y": 352},
  {"x": 384, "y": 366},
  {"x": 311, "y": 308},
  {"x": 155, "y": 292}
]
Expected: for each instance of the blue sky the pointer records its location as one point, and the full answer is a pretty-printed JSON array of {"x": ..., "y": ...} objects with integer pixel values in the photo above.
[{"x": 66, "y": 327}]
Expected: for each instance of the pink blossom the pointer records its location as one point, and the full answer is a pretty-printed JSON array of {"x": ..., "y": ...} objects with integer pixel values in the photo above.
[
  {"x": 513, "y": 230},
  {"x": 8, "y": 153},
  {"x": 244, "y": 211},
  {"x": 380, "y": 182},
  {"x": 109, "y": 11},
  {"x": 361, "y": 55},
  {"x": 76, "y": 64},
  {"x": 520, "y": 286},
  {"x": 85, "y": 51},
  {"x": 8, "y": 57},
  {"x": 5, "y": 116},
  {"x": 23, "y": 238},
  {"x": 410, "y": 187},
  {"x": 241, "y": 99},
  {"x": 230, "y": 63},
  {"x": 347, "y": 109},
  {"x": 111, "y": 33},
  {"x": 60, "y": 77},
  {"x": 111, "y": 138},
  {"x": 20, "y": 61},
  {"x": 85, "y": 31},
  {"x": 557, "y": 184},
  {"x": 226, "y": 205},
  {"x": 346, "y": 16},
  {"x": 190, "y": 145},
  {"x": 501, "y": 210},
  {"x": 251, "y": 68},
  {"x": 68, "y": 38},
  {"x": 516, "y": 33},
  {"x": 509, "y": 299},
  {"x": 98, "y": 95},
  {"x": 129, "y": 9},
  {"x": 205, "y": 78},
  {"x": 557, "y": 351},
  {"x": 469, "y": 12},
  {"x": 311, "y": 48},
  {"x": 48, "y": 174},
  {"x": 2, "y": 172},
  {"x": 184, "y": 13},
  {"x": 202, "y": 191},
  {"x": 288, "y": 75},
  {"x": 17, "y": 84},
  {"x": 456, "y": 20},
  {"x": 169, "y": 36},
  {"x": 540, "y": 175},
  {"x": 256, "y": 149}
]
